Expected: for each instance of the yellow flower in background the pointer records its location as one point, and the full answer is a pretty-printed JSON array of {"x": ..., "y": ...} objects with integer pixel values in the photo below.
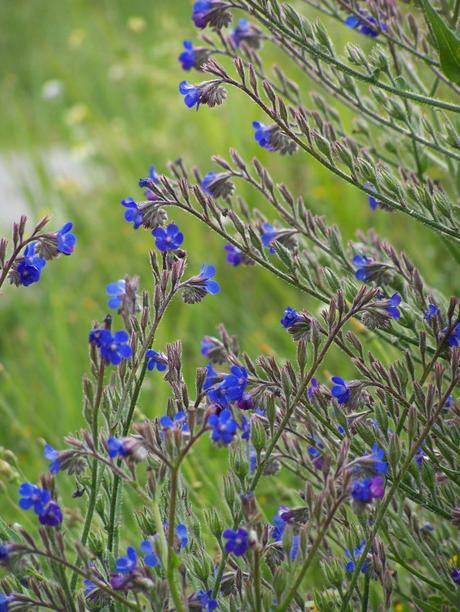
[
  {"x": 76, "y": 114},
  {"x": 137, "y": 24},
  {"x": 76, "y": 38}
]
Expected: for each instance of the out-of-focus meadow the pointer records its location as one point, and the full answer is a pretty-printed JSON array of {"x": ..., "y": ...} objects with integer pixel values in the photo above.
[{"x": 88, "y": 92}]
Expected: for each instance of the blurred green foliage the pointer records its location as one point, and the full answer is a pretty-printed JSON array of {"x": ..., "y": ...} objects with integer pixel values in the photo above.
[{"x": 96, "y": 83}]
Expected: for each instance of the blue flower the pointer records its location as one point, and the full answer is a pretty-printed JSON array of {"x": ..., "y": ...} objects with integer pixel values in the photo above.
[
  {"x": 373, "y": 30},
  {"x": 365, "y": 490},
  {"x": 169, "y": 239},
  {"x": 206, "y": 274},
  {"x": 206, "y": 601},
  {"x": 234, "y": 256},
  {"x": 116, "y": 447},
  {"x": 235, "y": 383},
  {"x": 33, "y": 497},
  {"x": 237, "y": 541},
  {"x": 224, "y": 427},
  {"x": 391, "y": 306},
  {"x": 192, "y": 94},
  {"x": 115, "y": 348},
  {"x": 152, "y": 178},
  {"x": 52, "y": 455},
  {"x": 188, "y": 57},
  {"x": 129, "y": 562},
  {"x": 263, "y": 135},
  {"x": 245, "y": 428},
  {"x": 5, "y": 550},
  {"x": 431, "y": 311},
  {"x": 373, "y": 202},
  {"x": 182, "y": 535},
  {"x": 117, "y": 291},
  {"x": 313, "y": 388},
  {"x": 211, "y": 378},
  {"x": 66, "y": 241},
  {"x": 269, "y": 235},
  {"x": 179, "y": 422},
  {"x": 90, "y": 587},
  {"x": 52, "y": 515},
  {"x": 362, "y": 263},
  {"x": 355, "y": 556},
  {"x": 340, "y": 390},
  {"x": 453, "y": 339},
  {"x": 155, "y": 360},
  {"x": 420, "y": 456},
  {"x": 29, "y": 267},
  {"x": 290, "y": 317},
  {"x": 150, "y": 557},
  {"x": 207, "y": 181},
  {"x": 5, "y": 600},
  {"x": 378, "y": 465},
  {"x": 133, "y": 214},
  {"x": 279, "y": 523},
  {"x": 210, "y": 12},
  {"x": 455, "y": 575}
]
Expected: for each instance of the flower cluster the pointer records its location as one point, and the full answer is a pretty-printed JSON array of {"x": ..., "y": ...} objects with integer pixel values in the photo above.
[
  {"x": 113, "y": 347},
  {"x": 48, "y": 511}
]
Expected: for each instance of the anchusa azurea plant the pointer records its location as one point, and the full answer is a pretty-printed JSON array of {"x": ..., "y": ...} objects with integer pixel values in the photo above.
[{"x": 341, "y": 489}]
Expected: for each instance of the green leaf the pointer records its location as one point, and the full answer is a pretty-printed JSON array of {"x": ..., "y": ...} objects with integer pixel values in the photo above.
[{"x": 448, "y": 43}]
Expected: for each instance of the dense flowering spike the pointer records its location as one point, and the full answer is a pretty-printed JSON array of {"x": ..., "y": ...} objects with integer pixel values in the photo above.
[
  {"x": 223, "y": 427},
  {"x": 211, "y": 12},
  {"x": 168, "y": 239},
  {"x": 237, "y": 541}
]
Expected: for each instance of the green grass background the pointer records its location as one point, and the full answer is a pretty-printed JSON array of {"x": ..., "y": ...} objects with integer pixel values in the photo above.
[{"x": 120, "y": 111}]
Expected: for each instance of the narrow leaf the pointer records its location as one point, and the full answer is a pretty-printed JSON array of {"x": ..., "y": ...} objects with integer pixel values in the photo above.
[{"x": 448, "y": 43}]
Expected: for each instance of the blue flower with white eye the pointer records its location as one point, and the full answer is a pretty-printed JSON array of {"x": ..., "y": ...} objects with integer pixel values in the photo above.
[
  {"x": 133, "y": 214},
  {"x": 66, "y": 241},
  {"x": 52, "y": 455},
  {"x": 237, "y": 541},
  {"x": 28, "y": 268},
  {"x": 179, "y": 422},
  {"x": 114, "y": 348},
  {"x": 290, "y": 317},
  {"x": 128, "y": 563},
  {"x": 117, "y": 291},
  {"x": 431, "y": 312},
  {"x": 188, "y": 57},
  {"x": 235, "y": 383},
  {"x": 116, "y": 447},
  {"x": 355, "y": 556},
  {"x": 223, "y": 427},
  {"x": 182, "y": 535},
  {"x": 340, "y": 390},
  {"x": 206, "y": 274},
  {"x": 155, "y": 360},
  {"x": 150, "y": 557},
  {"x": 168, "y": 239},
  {"x": 453, "y": 339},
  {"x": 33, "y": 497},
  {"x": 52, "y": 515}
]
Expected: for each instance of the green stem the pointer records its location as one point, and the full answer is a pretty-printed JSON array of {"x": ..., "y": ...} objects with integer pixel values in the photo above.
[
  {"x": 365, "y": 600},
  {"x": 171, "y": 574},
  {"x": 94, "y": 468},
  {"x": 311, "y": 555},
  {"x": 257, "y": 592}
]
